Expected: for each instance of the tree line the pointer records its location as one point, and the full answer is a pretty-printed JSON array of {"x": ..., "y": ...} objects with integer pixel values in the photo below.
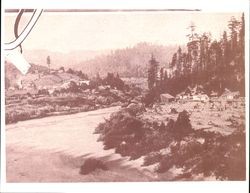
[{"x": 215, "y": 65}]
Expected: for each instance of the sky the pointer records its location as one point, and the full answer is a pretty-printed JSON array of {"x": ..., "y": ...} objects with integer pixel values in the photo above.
[{"x": 66, "y": 32}]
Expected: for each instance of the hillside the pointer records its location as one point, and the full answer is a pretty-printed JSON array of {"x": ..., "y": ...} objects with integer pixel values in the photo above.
[
  {"x": 59, "y": 59},
  {"x": 37, "y": 77},
  {"x": 128, "y": 62}
]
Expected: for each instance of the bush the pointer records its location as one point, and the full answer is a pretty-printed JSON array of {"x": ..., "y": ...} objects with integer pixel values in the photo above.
[
  {"x": 73, "y": 87},
  {"x": 135, "y": 109},
  {"x": 222, "y": 156},
  {"x": 151, "y": 97},
  {"x": 131, "y": 136},
  {"x": 43, "y": 92},
  {"x": 114, "y": 81},
  {"x": 152, "y": 158},
  {"x": 124, "y": 132},
  {"x": 91, "y": 165},
  {"x": 165, "y": 164},
  {"x": 182, "y": 127},
  {"x": 15, "y": 116},
  {"x": 123, "y": 127},
  {"x": 173, "y": 111}
]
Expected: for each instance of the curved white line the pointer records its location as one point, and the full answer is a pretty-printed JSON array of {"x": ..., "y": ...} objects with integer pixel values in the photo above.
[{"x": 24, "y": 34}]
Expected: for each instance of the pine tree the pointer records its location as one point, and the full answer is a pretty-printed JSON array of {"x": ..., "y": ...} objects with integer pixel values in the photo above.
[
  {"x": 173, "y": 63},
  {"x": 165, "y": 76},
  {"x": 233, "y": 26},
  {"x": 179, "y": 62},
  {"x": 48, "y": 62},
  {"x": 193, "y": 49},
  {"x": 192, "y": 35},
  {"x": 242, "y": 34},
  {"x": 161, "y": 74},
  {"x": 153, "y": 78},
  {"x": 204, "y": 47},
  {"x": 225, "y": 50},
  {"x": 163, "y": 80},
  {"x": 242, "y": 45}
]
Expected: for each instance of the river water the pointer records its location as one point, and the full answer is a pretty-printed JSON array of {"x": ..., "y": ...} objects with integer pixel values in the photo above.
[{"x": 69, "y": 134}]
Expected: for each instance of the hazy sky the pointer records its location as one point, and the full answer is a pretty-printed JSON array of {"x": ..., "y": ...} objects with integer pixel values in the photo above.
[{"x": 65, "y": 32}]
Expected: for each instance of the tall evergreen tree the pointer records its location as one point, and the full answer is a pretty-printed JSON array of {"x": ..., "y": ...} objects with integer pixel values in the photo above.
[
  {"x": 48, "y": 62},
  {"x": 153, "y": 73},
  {"x": 204, "y": 47},
  {"x": 242, "y": 45},
  {"x": 179, "y": 63},
  {"x": 225, "y": 50},
  {"x": 242, "y": 34},
  {"x": 233, "y": 26}
]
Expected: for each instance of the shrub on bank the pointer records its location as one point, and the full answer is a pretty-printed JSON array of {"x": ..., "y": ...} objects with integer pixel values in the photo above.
[
  {"x": 221, "y": 156},
  {"x": 131, "y": 136},
  {"x": 182, "y": 126},
  {"x": 91, "y": 165},
  {"x": 122, "y": 126},
  {"x": 152, "y": 158},
  {"x": 27, "y": 112},
  {"x": 196, "y": 152},
  {"x": 15, "y": 116}
]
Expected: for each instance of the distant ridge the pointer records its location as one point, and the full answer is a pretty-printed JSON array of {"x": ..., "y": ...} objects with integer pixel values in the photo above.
[{"x": 128, "y": 62}]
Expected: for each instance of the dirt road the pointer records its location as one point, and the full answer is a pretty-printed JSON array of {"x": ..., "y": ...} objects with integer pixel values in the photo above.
[{"x": 52, "y": 149}]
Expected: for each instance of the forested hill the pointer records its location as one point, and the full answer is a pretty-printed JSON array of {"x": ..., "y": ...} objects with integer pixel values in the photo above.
[
  {"x": 128, "y": 62},
  {"x": 214, "y": 64}
]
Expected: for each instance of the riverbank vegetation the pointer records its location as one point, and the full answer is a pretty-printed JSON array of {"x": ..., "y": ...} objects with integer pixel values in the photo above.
[
  {"x": 69, "y": 98},
  {"x": 207, "y": 154}
]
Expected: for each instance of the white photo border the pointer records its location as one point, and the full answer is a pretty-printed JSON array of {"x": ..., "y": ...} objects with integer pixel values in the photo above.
[{"x": 173, "y": 187}]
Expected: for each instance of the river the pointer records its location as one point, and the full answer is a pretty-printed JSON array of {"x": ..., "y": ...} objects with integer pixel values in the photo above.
[
  {"x": 70, "y": 134},
  {"x": 39, "y": 141}
]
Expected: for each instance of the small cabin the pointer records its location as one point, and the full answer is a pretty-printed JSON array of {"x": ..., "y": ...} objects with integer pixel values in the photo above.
[
  {"x": 82, "y": 82},
  {"x": 228, "y": 95},
  {"x": 214, "y": 94},
  {"x": 201, "y": 98},
  {"x": 166, "y": 98}
]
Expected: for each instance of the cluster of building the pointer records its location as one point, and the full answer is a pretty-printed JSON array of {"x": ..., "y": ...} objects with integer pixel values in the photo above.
[{"x": 197, "y": 94}]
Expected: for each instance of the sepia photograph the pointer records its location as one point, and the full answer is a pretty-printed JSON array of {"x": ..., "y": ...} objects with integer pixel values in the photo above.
[{"x": 124, "y": 95}]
